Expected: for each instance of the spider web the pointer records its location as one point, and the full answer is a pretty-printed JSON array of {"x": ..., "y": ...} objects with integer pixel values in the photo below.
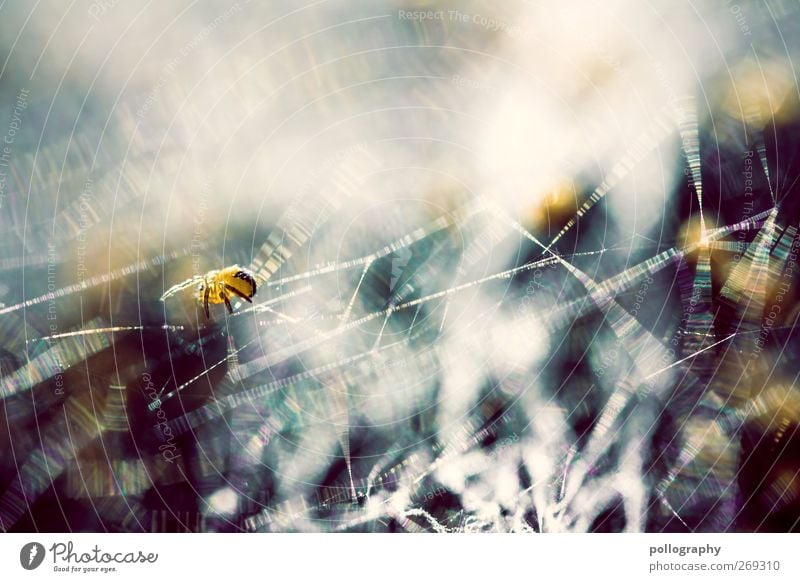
[{"x": 420, "y": 384}]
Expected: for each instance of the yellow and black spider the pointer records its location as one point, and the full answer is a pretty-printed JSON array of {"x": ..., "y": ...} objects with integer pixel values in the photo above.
[{"x": 216, "y": 286}]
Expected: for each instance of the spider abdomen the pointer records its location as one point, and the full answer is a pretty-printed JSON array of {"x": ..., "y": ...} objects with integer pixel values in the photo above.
[{"x": 219, "y": 286}]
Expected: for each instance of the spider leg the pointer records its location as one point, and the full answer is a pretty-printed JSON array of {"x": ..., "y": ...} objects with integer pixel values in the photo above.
[
  {"x": 205, "y": 301},
  {"x": 180, "y": 287},
  {"x": 227, "y": 302},
  {"x": 235, "y": 291}
]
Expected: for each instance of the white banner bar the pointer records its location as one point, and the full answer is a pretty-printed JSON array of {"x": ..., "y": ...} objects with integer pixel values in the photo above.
[{"x": 395, "y": 557}]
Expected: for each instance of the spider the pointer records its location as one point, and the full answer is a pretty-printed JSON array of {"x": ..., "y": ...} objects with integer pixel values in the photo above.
[{"x": 216, "y": 287}]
